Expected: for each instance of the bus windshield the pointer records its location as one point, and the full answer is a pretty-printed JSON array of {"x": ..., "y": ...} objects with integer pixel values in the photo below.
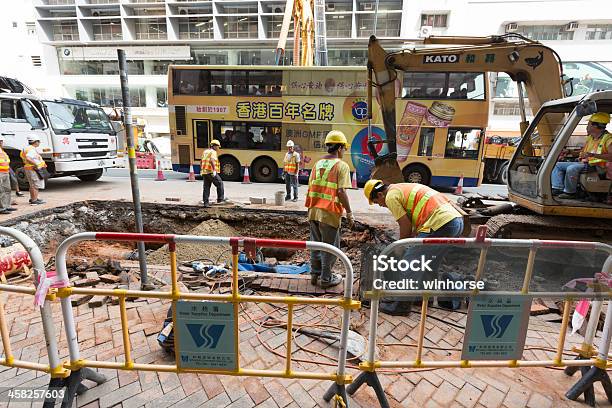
[{"x": 68, "y": 117}]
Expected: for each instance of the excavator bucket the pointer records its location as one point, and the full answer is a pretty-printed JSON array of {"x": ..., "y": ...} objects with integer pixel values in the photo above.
[{"x": 387, "y": 169}]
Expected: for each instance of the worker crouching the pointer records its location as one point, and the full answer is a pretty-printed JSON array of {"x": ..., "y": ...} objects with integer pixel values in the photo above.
[
  {"x": 35, "y": 169},
  {"x": 209, "y": 169},
  {"x": 420, "y": 212},
  {"x": 326, "y": 201}
]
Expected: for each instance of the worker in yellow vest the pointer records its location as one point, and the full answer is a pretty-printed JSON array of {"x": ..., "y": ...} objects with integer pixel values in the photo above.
[
  {"x": 209, "y": 168},
  {"x": 35, "y": 169},
  {"x": 421, "y": 212},
  {"x": 5, "y": 181},
  {"x": 326, "y": 201},
  {"x": 291, "y": 171}
]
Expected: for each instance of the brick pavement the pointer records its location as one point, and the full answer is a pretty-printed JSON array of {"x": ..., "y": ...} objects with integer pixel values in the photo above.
[{"x": 99, "y": 335}]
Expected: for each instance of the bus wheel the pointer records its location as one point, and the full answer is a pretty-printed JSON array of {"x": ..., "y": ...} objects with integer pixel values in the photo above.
[
  {"x": 230, "y": 169},
  {"x": 265, "y": 171},
  {"x": 502, "y": 177},
  {"x": 415, "y": 173}
]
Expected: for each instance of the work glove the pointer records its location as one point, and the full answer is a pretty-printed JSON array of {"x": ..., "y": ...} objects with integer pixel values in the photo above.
[
  {"x": 350, "y": 220},
  {"x": 214, "y": 174}
]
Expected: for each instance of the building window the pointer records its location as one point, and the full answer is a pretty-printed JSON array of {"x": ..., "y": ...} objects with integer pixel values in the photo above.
[
  {"x": 273, "y": 27},
  {"x": 65, "y": 31},
  {"x": 339, "y": 25},
  {"x": 387, "y": 25},
  {"x": 348, "y": 57},
  {"x": 151, "y": 29},
  {"x": 195, "y": 28},
  {"x": 31, "y": 28},
  {"x": 437, "y": 20},
  {"x": 240, "y": 27},
  {"x": 59, "y": 2},
  {"x": 599, "y": 32},
  {"x": 68, "y": 67},
  {"x": 441, "y": 85},
  {"x": 14, "y": 24},
  {"x": 107, "y": 30},
  {"x": 246, "y": 9},
  {"x": 162, "y": 98},
  {"x": 110, "y": 97},
  {"x": 546, "y": 32},
  {"x": 149, "y": 11}
]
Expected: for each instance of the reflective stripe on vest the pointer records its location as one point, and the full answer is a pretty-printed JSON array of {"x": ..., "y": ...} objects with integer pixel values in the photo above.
[
  {"x": 5, "y": 162},
  {"x": 206, "y": 165},
  {"x": 602, "y": 148},
  {"x": 421, "y": 202},
  {"x": 291, "y": 164},
  {"x": 323, "y": 187},
  {"x": 26, "y": 164}
]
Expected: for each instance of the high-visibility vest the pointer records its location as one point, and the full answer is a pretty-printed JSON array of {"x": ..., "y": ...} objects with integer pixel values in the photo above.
[
  {"x": 206, "y": 166},
  {"x": 26, "y": 164},
  {"x": 5, "y": 161},
  {"x": 602, "y": 148},
  {"x": 323, "y": 186},
  {"x": 291, "y": 164},
  {"x": 421, "y": 201}
]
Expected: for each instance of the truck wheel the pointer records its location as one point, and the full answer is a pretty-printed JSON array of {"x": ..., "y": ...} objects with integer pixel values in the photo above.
[
  {"x": 416, "y": 173},
  {"x": 91, "y": 176},
  {"x": 265, "y": 171},
  {"x": 230, "y": 168},
  {"x": 502, "y": 176}
]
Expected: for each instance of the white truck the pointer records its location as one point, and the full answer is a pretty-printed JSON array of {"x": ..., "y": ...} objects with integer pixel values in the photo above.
[{"x": 77, "y": 138}]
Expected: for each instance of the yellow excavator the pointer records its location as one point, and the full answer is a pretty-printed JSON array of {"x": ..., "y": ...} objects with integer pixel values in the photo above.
[{"x": 533, "y": 211}]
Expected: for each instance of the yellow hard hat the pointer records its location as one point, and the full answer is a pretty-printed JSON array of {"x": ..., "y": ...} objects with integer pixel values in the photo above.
[
  {"x": 336, "y": 137},
  {"x": 600, "y": 117},
  {"x": 369, "y": 187},
  {"x": 215, "y": 142}
]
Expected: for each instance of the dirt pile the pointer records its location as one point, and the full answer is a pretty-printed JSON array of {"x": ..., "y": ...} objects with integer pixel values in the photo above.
[{"x": 193, "y": 251}]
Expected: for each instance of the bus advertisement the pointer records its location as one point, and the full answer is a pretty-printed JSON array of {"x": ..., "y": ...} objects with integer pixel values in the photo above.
[{"x": 254, "y": 111}]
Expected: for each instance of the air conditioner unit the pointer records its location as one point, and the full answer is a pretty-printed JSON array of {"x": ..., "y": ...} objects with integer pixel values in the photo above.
[
  {"x": 183, "y": 11},
  {"x": 425, "y": 31},
  {"x": 278, "y": 10},
  {"x": 511, "y": 27},
  {"x": 95, "y": 13},
  {"x": 572, "y": 26},
  {"x": 368, "y": 6},
  {"x": 330, "y": 6}
]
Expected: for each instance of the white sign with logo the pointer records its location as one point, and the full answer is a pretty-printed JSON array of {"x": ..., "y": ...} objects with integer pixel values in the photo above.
[{"x": 160, "y": 52}]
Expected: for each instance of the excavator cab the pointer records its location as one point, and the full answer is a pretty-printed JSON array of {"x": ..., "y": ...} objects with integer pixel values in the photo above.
[{"x": 530, "y": 170}]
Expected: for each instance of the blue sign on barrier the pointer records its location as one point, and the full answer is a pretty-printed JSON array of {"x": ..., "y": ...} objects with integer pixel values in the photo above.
[
  {"x": 496, "y": 327},
  {"x": 205, "y": 334}
]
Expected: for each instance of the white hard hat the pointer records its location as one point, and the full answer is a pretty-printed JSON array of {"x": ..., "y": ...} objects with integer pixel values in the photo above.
[
  {"x": 290, "y": 143},
  {"x": 33, "y": 138}
]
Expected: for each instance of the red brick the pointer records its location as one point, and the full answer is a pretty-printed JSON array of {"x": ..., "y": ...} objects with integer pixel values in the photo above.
[
  {"x": 468, "y": 395},
  {"x": 212, "y": 385},
  {"x": 492, "y": 398},
  {"x": 256, "y": 390},
  {"x": 190, "y": 382},
  {"x": 446, "y": 393},
  {"x": 279, "y": 393}
]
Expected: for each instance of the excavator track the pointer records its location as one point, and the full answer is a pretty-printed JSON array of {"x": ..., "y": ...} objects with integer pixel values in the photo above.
[{"x": 534, "y": 226}]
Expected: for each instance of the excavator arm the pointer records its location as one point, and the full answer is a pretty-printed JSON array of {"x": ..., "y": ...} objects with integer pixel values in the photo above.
[{"x": 528, "y": 62}]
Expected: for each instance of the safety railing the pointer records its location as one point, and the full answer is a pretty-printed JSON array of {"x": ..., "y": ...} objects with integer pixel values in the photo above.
[
  {"x": 76, "y": 363},
  {"x": 586, "y": 355},
  {"x": 54, "y": 367}
]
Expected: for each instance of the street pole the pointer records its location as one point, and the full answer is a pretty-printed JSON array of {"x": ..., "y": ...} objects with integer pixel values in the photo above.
[{"x": 129, "y": 135}]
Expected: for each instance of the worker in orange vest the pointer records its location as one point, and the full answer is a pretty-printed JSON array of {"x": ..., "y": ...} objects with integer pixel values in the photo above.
[
  {"x": 291, "y": 171},
  {"x": 5, "y": 181},
  {"x": 421, "y": 212},
  {"x": 35, "y": 169},
  {"x": 326, "y": 201},
  {"x": 209, "y": 168}
]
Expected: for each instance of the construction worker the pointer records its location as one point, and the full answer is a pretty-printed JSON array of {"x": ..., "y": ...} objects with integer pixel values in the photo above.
[
  {"x": 291, "y": 171},
  {"x": 35, "y": 169},
  {"x": 326, "y": 201},
  {"x": 594, "y": 153},
  {"x": 422, "y": 212},
  {"x": 5, "y": 181},
  {"x": 209, "y": 169}
]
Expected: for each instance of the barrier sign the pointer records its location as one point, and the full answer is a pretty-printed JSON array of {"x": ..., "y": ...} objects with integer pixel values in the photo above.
[
  {"x": 205, "y": 335},
  {"x": 496, "y": 327}
]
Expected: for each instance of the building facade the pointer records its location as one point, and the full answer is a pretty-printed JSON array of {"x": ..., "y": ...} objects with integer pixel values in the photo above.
[{"x": 80, "y": 38}]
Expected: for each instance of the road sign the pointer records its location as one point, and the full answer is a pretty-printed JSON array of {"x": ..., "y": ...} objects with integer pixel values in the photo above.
[
  {"x": 205, "y": 335},
  {"x": 496, "y": 327}
]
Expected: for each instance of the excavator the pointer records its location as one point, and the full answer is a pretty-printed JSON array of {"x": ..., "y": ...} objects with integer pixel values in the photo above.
[{"x": 533, "y": 211}]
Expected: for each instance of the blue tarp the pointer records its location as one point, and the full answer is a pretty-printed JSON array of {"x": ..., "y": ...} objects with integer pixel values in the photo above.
[{"x": 284, "y": 269}]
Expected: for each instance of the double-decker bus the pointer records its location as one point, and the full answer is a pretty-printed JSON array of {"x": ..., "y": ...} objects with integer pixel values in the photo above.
[{"x": 254, "y": 110}]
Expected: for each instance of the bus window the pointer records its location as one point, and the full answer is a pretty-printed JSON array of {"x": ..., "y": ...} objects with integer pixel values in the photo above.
[
  {"x": 466, "y": 85},
  {"x": 191, "y": 82},
  {"x": 462, "y": 143},
  {"x": 426, "y": 141},
  {"x": 443, "y": 85},
  {"x": 265, "y": 83},
  {"x": 201, "y": 133},
  {"x": 424, "y": 85},
  {"x": 248, "y": 135},
  {"x": 221, "y": 82}
]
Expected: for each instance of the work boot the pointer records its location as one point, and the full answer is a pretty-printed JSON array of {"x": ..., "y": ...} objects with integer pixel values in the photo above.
[
  {"x": 295, "y": 199},
  {"x": 222, "y": 200},
  {"x": 4, "y": 211},
  {"x": 394, "y": 308},
  {"x": 205, "y": 204},
  {"x": 314, "y": 279},
  {"x": 287, "y": 198},
  {"x": 567, "y": 196},
  {"x": 12, "y": 209},
  {"x": 19, "y": 194},
  {"x": 334, "y": 280},
  {"x": 556, "y": 191}
]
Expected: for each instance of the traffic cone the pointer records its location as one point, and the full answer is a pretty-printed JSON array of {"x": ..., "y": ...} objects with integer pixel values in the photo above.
[
  {"x": 191, "y": 173},
  {"x": 246, "y": 179},
  {"x": 160, "y": 173},
  {"x": 354, "y": 181},
  {"x": 459, "y": 188}
]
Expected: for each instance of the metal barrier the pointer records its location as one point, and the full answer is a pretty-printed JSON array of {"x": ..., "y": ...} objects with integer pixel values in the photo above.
[
  {"x": 598, "y": 365},
  {"x": 76, "y": 364}
]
